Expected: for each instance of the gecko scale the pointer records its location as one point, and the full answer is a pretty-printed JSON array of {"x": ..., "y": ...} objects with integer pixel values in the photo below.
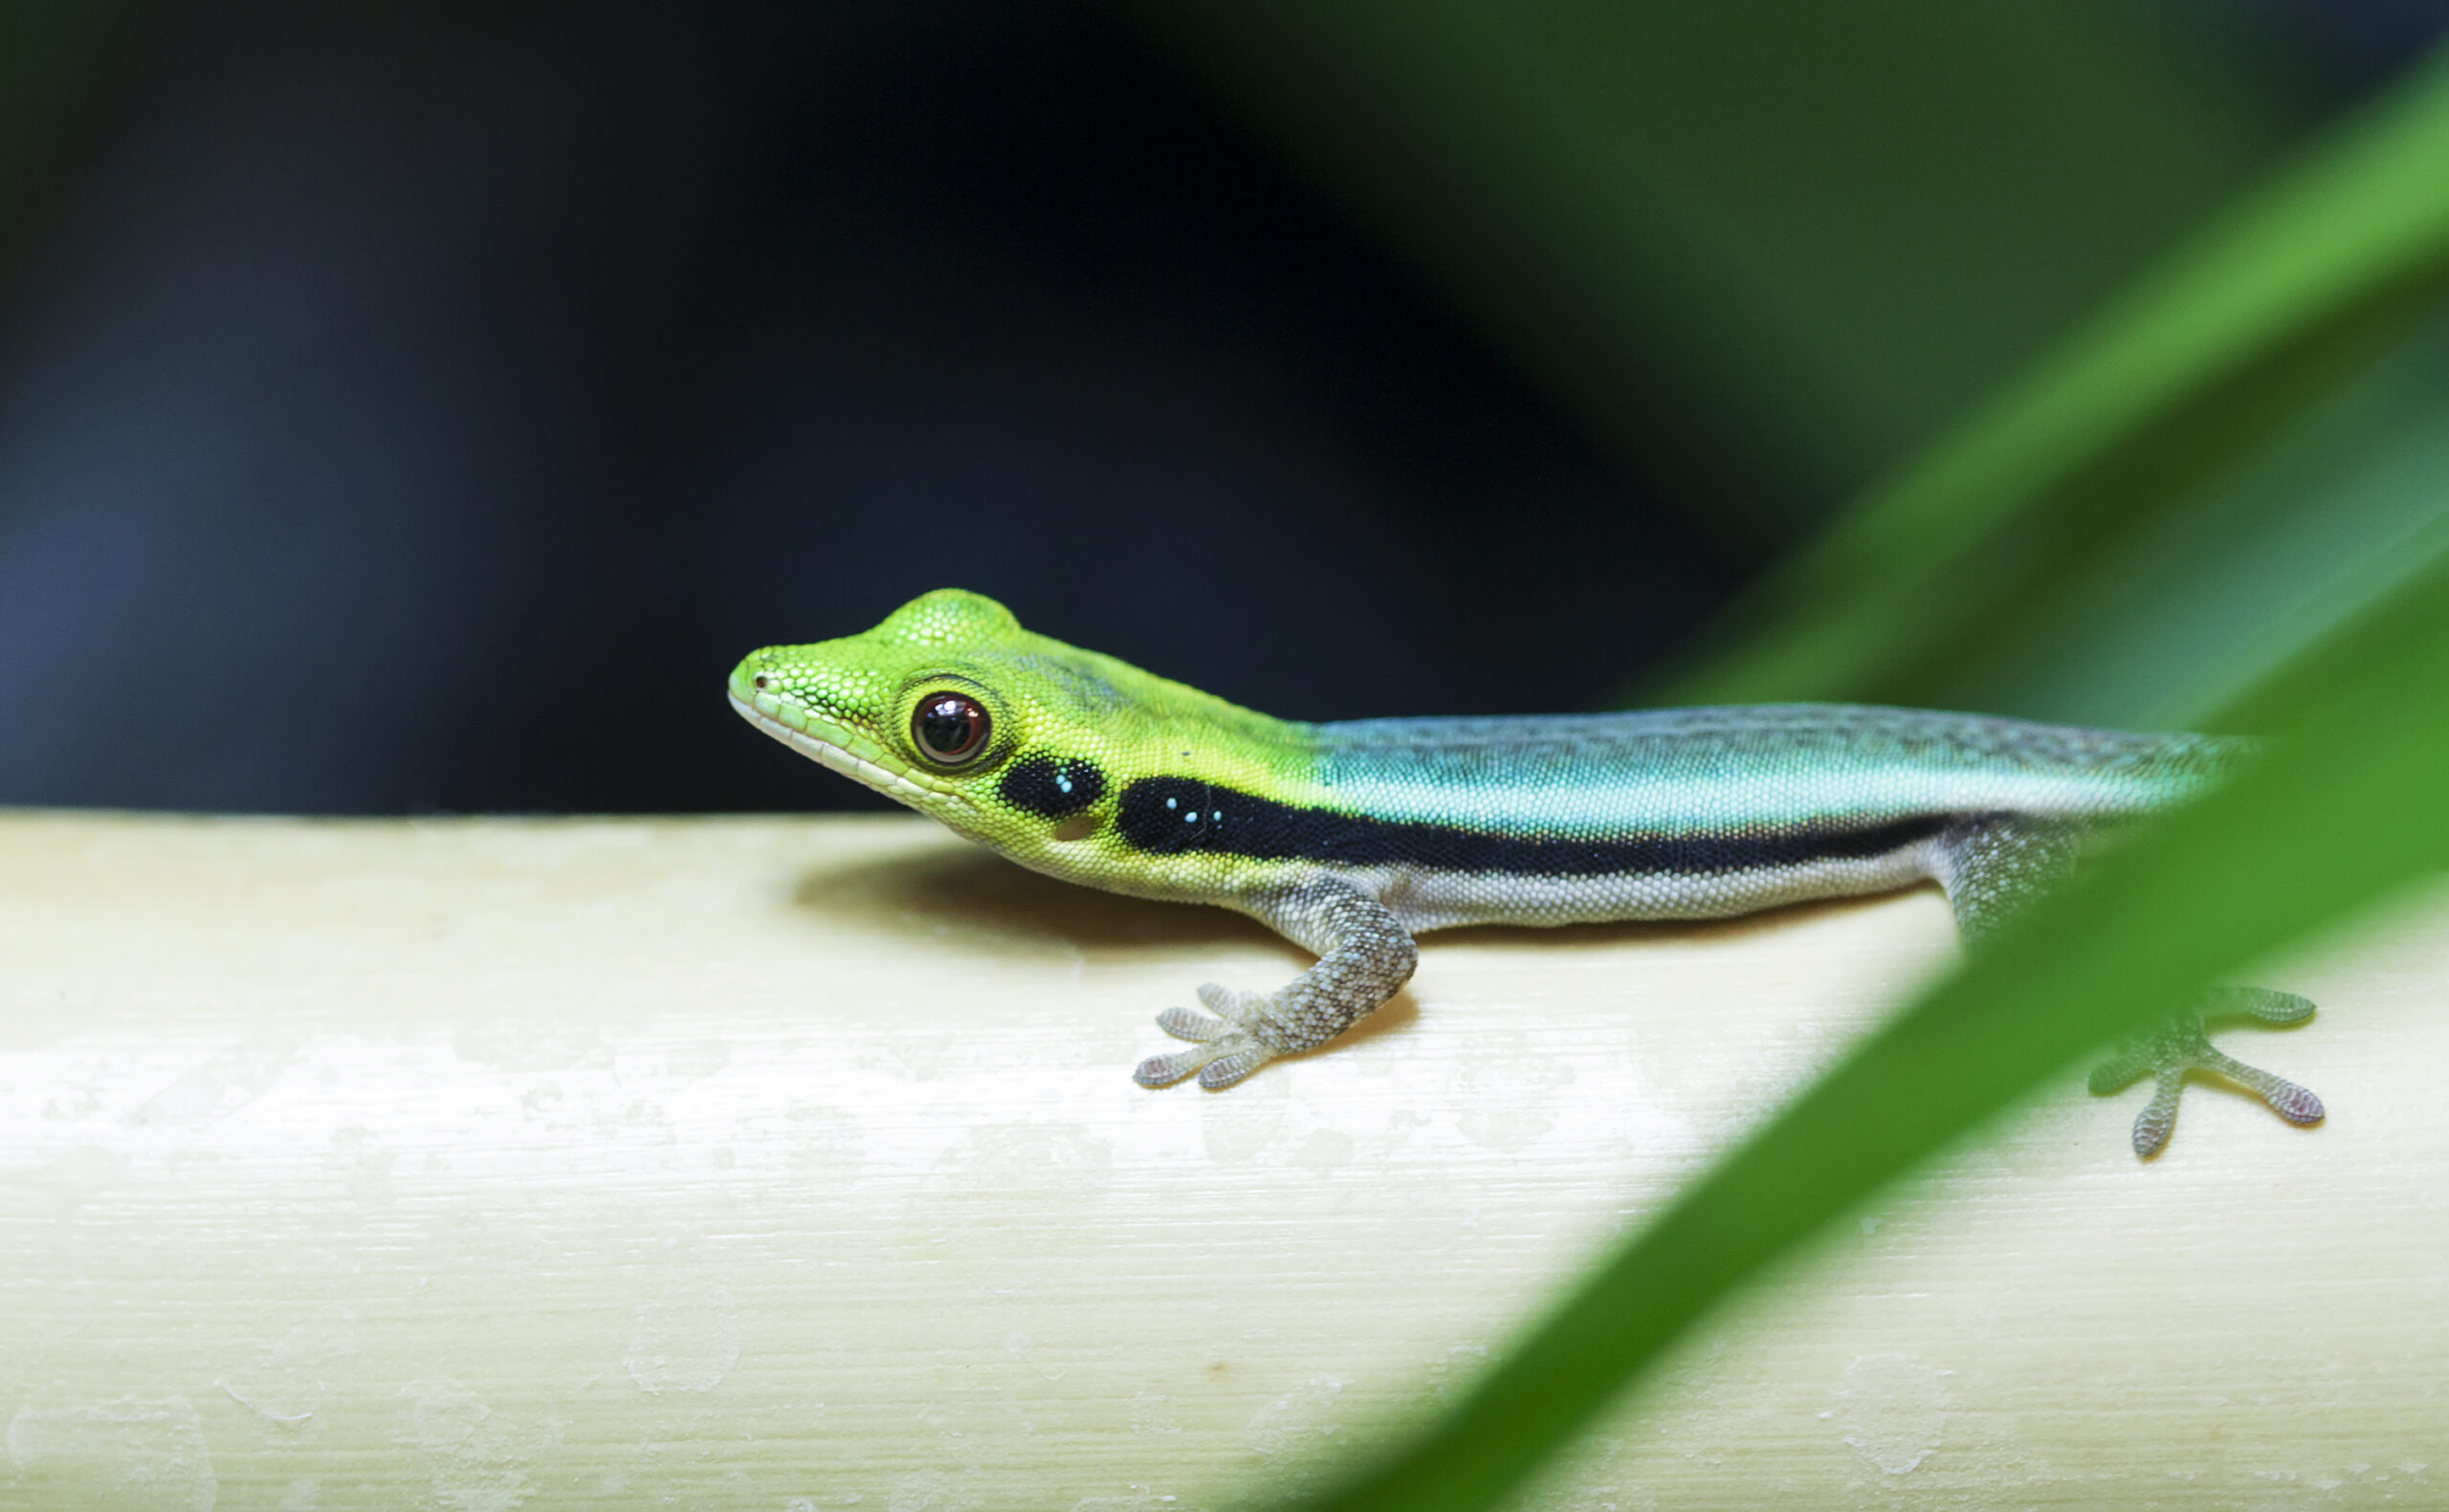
[{"x": 1351, "y": 838}]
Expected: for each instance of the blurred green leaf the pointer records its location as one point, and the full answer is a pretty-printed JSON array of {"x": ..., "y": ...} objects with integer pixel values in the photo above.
[
  {"x": 2154, "y": 448},
  {"x": 2351, "y": 805},
  {"x": 1789, "y": 240},
  {"x": 2179, "y": 610}
]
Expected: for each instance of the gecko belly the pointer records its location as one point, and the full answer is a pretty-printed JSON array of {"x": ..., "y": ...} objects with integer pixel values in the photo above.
[{"x": 1426, "y": 899}]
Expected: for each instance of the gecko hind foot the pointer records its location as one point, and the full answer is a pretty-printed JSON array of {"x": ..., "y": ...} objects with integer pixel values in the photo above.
[
  {"x": 1227, "y": 1045},
  {"x": 2180, "y": 1044}
]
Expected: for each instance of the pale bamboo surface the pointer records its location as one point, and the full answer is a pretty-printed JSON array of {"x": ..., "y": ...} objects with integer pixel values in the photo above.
[{"x": 795, "y": 1164}]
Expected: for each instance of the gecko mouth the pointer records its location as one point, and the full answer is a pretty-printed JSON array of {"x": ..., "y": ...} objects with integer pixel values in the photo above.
[{"x": 833, "y": 745}]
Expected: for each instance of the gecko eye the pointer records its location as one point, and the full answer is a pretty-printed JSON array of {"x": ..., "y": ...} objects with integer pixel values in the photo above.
[{"x": 948, "y": 728}]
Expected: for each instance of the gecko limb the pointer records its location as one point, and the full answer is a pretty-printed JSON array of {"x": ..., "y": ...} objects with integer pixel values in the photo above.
[
  {"x": 1364, "y": 956},
  {"x": 1995, "y": 867}
]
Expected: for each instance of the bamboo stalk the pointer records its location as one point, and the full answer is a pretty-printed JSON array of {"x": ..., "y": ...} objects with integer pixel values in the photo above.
[{"x": 782, "y": 1163}]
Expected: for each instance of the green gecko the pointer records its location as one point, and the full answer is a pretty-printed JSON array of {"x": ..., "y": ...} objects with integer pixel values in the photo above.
[{"x": 1351, "y": 838}]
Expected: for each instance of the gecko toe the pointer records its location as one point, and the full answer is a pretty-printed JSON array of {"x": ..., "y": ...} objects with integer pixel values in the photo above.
[
  {"x": 1187, "y": 1023},
  {"x": 1230, "y": 1004},
  {"x": 2150, "y": 1134},
  {"x": 2117, "y": 1071},
  {"x": 2159, "y": 1116},
  {"x": 2258, "y": 1002},
  {"x": 1164, "y": 1070},
  {"x": 1227, "y": 1069},
  {"x": 2295, "y": 1104}
]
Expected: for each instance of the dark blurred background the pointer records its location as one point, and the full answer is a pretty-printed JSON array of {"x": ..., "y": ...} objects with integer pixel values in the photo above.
[{"x": 413, "y": 408}]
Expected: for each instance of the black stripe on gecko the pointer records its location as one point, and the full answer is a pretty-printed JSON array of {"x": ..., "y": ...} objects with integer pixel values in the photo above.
[{"x": 1171, "y": 816}]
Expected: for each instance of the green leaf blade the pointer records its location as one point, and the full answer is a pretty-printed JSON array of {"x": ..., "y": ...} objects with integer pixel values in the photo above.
[{"x": 2350, "y": 246}]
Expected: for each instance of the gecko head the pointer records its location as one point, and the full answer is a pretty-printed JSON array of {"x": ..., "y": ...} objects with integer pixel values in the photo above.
[{"x": 949, "y": 707}]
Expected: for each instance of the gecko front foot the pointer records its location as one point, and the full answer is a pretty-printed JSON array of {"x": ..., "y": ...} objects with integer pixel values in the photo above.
[
  {"x": 2180, "y": 1044},
  {"x": 1365, "y": 956},
  {"x": 1232, "y": 1039}
]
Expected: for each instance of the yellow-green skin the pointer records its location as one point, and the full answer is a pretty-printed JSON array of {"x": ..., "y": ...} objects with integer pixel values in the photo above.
[{"x": 851, "y": 701}]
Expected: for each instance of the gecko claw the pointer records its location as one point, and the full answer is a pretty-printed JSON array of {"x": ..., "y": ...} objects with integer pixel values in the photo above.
[{"x": 2180, "y": 1044}]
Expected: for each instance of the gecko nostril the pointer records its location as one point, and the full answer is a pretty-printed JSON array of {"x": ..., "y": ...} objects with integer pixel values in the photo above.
[{"x": 758, "y": 681}]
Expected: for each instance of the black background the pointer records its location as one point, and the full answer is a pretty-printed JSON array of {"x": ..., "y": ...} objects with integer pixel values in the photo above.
[{"x": 421, "y": 408}]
